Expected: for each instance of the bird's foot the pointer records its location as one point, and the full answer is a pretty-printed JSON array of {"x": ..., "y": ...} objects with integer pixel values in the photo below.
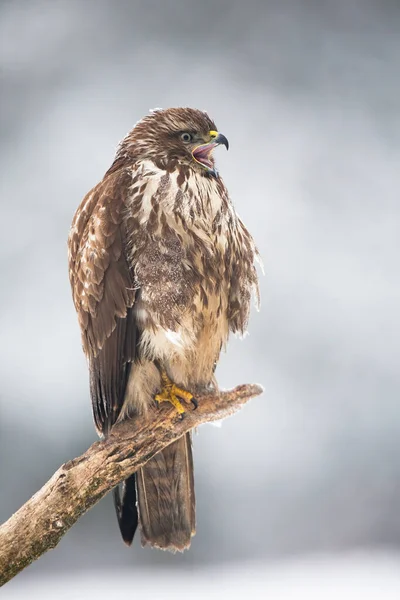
[{"x": 171, "y": 393}]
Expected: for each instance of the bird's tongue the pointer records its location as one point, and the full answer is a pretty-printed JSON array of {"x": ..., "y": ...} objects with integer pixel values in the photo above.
[{"x": 202, "y": 153}]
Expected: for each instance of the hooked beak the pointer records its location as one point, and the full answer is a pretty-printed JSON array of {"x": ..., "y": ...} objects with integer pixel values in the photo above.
[{"x": 202, "y": 153}]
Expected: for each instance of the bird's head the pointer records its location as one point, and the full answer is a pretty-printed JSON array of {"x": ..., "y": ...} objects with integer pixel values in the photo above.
[{"x": 175, "y": 135}]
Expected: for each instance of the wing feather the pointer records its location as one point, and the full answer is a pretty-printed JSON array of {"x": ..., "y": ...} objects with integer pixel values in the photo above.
[
  {"x": 240, "y": 262},
  {"x": 103, "y": 288}
]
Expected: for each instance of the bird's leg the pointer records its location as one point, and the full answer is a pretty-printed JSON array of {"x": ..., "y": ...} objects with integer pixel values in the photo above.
[{"x": 171, "y": 392}]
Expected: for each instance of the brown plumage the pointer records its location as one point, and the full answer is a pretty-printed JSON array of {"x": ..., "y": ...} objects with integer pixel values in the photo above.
[{"x": 161, "y": 269}]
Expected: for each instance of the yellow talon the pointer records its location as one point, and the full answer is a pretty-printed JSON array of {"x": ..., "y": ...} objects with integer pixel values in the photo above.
[
  {"x": 171, "y": 397},
  {"x": 170, "y": 393}
]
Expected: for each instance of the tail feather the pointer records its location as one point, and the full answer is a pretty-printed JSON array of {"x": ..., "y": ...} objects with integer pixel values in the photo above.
[
  {"x": 125, "y": 506},
  {"x": 165, "y": 495}
]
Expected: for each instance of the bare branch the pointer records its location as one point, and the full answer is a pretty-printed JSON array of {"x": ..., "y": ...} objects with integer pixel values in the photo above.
[{"x": 78, "y": 484}]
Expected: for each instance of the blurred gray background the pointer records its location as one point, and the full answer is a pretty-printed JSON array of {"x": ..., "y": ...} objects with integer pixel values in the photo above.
[{"x": 307, "y": 93}]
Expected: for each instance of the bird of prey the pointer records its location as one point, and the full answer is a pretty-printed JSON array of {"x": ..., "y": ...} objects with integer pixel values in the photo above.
[{"x": 161, "y": 269}]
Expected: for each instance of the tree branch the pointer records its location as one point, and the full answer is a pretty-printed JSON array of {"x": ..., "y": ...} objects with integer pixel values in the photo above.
[{"x": 78, "y": 484}]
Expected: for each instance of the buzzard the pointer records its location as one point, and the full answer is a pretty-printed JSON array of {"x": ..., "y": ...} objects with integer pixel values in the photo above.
[{"x": 161, "y": 270}]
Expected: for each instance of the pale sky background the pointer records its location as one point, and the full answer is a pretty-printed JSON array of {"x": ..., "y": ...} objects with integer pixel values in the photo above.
[{"x": 307, "y": 94}]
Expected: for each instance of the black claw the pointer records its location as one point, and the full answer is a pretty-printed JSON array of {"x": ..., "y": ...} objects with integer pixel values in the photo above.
[
  {"x": 181, "y": 416},
  {"x": 195, "y": 403}
]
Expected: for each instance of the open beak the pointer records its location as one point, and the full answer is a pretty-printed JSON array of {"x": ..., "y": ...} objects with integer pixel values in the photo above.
[{"x": 202, "y": 153}]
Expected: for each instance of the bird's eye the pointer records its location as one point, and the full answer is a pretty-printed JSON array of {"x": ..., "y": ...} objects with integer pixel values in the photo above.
[{"x": 186, "y": 137}]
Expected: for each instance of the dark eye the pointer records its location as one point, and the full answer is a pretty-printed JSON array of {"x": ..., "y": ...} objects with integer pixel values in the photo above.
[{"x": 186, "y": 137}]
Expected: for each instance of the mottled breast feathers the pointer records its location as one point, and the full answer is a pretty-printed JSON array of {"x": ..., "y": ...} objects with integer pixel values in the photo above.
[{"x": 169, "y": 241}]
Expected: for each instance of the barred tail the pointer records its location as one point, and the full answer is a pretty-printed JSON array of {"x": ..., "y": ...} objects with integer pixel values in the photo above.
[{"x": 166, "y": 500}]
